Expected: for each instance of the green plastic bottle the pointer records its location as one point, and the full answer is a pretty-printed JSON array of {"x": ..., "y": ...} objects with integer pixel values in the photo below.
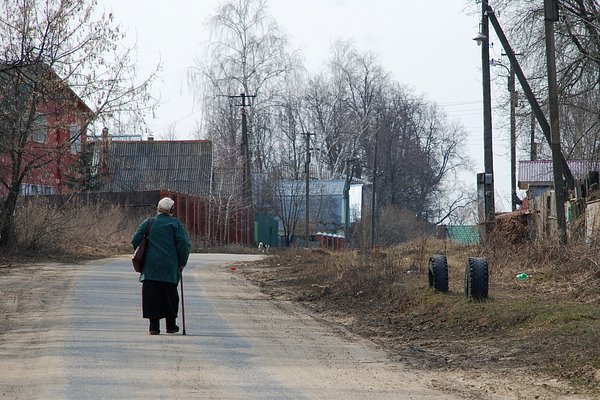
[{"x": 521, "y": 277}]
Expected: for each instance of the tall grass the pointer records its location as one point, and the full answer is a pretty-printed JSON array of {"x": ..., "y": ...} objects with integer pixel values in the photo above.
[
  {"x": 569, "y": 271},
  {"x": 76, "y": 228},
  {"x": 547, "y": 323}
]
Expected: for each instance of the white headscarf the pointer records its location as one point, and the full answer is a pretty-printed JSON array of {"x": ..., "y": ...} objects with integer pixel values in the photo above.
[{"x": 165, "y": 206}]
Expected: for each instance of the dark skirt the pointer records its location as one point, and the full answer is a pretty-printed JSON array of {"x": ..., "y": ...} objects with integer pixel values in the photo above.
[{"x": 159, "y": 299}]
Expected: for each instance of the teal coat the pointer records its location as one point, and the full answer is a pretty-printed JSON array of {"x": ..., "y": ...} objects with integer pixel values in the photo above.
[{"x": 167, "y": 251}]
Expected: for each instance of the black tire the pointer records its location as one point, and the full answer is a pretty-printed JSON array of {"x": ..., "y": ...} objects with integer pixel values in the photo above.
[
  {"x": 438, "y": 273},
  {"x": 476, "y": 278}
]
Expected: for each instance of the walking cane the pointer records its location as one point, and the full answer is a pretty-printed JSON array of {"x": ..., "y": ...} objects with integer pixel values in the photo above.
[{"x": 182, "y": 306}]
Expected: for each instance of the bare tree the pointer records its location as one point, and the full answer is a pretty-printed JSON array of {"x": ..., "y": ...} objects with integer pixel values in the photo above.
[
  {"x": 289, "y": 196},
  {"x": 346, "y": 106},
  {"x": 247, "y": 54},
  {"x": 360, "y": 80},
  {"x": 325, "y": 106},
  {"x": 357, "y": 107},
  {"x": 54, "y": 53},
  {"x": 578, "y": 66},
  {"x": 170, "y": 133}
]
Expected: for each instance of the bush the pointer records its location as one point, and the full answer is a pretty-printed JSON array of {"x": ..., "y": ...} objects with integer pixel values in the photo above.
[
  {"x": 394, "y": 225},
  {"x": 45, "y": 226}
]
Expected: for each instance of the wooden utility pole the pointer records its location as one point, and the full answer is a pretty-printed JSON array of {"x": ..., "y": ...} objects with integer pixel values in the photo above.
[
  {"x": 513, "y": 130},
  {"x": 307, "y": 177},
  {"x": 513, "y": 138},
  {"x": 551, "y": 15},
  {"x": 246, "y": 175},
  {"x": 374, "y": 194},
  {"x": 532, "y": 143},
  {"x": 488, "y": 155},
  {"x": 535, "y": 106}
]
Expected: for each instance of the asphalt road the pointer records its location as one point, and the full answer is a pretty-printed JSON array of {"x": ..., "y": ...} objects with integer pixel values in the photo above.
[{"x": 239, "y": 345}]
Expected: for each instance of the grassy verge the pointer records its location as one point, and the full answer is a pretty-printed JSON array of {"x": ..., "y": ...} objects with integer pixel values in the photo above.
[{"x": 547, "y": 324}]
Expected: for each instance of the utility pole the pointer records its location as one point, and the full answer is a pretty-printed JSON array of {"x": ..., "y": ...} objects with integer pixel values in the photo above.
[
  {"x": 513, "y": 138},
  {"x": 307, "y": 177},
  {"x": 246, "y": 175},
  {"x": 535, "y": 106},
  {"x": 488, "y": 155},
  {"x": 551, "y": 15},
  {"x": 374, "y": 194}
]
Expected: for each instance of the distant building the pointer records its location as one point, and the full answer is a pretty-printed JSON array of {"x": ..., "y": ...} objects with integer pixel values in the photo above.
[
  {"x": 182, "y": 166},
  {"x": 182, "y": 170},
  {"x": 538, "y": 175},
  {"x": 327, "y": 208},
  {"x": 57, "y": 134}
]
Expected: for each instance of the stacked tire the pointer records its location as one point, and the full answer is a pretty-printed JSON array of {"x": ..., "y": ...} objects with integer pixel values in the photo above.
[
  {"x": 476, "y": 278},
  {"x": 438, "y": 273}
]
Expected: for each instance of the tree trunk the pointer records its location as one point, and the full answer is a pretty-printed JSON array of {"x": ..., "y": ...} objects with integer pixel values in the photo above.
[{"x": 7, "y": 223}]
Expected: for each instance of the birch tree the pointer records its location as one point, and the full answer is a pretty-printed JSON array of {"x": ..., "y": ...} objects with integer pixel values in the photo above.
[{"x": 247, "y": 53}]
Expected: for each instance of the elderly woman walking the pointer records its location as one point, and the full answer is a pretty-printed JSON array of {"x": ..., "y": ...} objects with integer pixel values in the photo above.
[{"x": 167, "y": 253}]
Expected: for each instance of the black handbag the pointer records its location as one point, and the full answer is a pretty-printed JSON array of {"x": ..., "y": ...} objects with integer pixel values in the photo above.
[{"x": 140, "y": 251}]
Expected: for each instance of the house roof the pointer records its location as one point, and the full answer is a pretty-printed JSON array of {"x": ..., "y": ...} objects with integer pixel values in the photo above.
[
  {"x": 540, "y": 172},
  {"x": 183, "y": 166},
  {"x": 64, "y": 85},
  {"x": 55, "y": 88}
]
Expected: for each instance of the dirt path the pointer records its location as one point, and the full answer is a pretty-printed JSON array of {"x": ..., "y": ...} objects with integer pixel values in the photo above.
[{"x": 71, "y": 332}]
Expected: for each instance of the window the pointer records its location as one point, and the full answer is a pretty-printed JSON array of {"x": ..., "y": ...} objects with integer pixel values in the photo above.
[
  {"x": 75, "y": 138},
  {"x": 28, "y": 189},
  {"x": 39, "y": 129}
]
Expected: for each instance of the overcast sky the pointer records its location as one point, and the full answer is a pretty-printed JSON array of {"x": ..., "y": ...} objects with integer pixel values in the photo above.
[{"x": 426, "y": 45}]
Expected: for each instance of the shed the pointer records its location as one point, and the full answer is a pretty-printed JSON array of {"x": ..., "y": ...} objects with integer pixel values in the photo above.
[
  {"x": 182, "y": 166},
  {"x": 326, "y": 199},
  {"x": 537, "y": 175}
]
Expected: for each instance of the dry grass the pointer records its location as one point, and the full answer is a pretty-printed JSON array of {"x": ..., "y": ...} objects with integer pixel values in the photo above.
[
  {"x": 548, "y": 323},
  {"x": 72, "y": 230},
  {"x": 559, "y": 272}
]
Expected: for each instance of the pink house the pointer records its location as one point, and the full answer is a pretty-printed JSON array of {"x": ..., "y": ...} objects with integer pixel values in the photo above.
[{"x": 53, "y": 141}]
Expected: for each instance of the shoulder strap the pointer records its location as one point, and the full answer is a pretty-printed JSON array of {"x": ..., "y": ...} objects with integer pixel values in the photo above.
[{"x": 149, "y": 227}]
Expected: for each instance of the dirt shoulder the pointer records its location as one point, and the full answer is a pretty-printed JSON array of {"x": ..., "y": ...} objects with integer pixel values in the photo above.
[
  {"x": 31, "y": 301},
  {"x": 519, "y": 334}
]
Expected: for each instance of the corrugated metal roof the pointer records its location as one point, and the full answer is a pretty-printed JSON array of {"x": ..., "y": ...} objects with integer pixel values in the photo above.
[
  {"x": 333, "y": 187},
  {"x": 181, "y": 166},
  {"x": 540, "y": 172}
]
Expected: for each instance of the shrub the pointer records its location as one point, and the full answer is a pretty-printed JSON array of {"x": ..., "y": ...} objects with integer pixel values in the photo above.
[{"x": 47, "y": 226}]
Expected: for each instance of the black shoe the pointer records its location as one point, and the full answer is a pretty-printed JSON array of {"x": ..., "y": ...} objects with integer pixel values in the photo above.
[
  {"x": 173, "y": 329},
  {"x": 154, "y": 328}
]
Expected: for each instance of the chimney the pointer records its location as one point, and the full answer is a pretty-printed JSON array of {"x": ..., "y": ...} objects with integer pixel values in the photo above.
[{"x": 104, "y": 154}]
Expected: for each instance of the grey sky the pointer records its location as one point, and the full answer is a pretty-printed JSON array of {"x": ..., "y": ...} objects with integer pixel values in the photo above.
[{"x": 427, "y": 46}]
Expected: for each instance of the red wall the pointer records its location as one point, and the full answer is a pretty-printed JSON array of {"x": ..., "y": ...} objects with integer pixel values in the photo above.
[
  {"x": 224, "y": 223},
  {"x": 55, "y": 154}
]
